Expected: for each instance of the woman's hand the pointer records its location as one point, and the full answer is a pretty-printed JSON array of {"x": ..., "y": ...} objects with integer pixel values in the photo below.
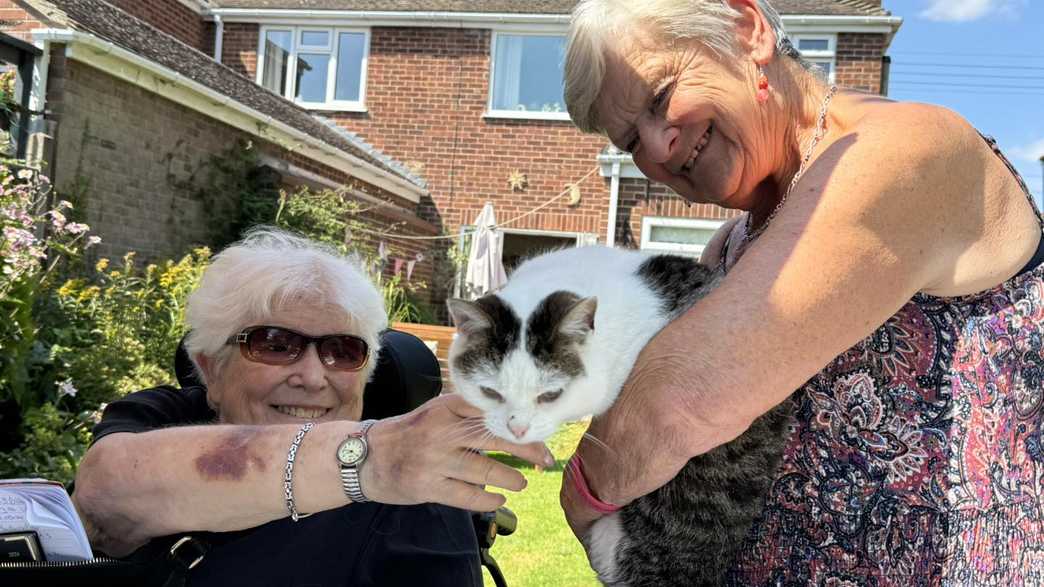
[
  {"x": 649, "y": 434},
  {"x": 432, "y": 455}
]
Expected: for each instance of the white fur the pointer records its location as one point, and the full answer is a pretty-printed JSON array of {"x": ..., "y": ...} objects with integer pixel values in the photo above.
[
  {"x": 628, "y": 315},
  {"x": 603, "y": 540}
]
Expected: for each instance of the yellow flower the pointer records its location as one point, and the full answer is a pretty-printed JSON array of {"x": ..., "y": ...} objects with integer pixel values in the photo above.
[
  {"x": 101, "y": 265},
  {"x": 88, "y": 294},
  {"x": 68, "y": 288}
]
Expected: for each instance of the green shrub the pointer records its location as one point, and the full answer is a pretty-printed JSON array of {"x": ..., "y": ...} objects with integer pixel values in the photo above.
[
  {"x": 327, "y": 216},
  {"x": 41, "y": 428}
]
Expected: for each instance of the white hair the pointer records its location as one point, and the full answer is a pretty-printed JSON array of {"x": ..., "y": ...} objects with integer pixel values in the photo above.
[
  {"x": 270, "y": 269},
  {"x": 599, "y": 24}
]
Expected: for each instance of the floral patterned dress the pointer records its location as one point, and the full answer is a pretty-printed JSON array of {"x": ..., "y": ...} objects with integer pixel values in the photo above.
[{"x": 917, "y": 456}]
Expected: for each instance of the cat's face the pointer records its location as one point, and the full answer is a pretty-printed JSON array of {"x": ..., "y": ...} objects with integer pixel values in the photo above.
[{"x": 523, "y": 374}]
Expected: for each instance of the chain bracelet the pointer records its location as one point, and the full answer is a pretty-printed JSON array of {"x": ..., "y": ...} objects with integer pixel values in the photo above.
[{"x": 288, "y": 478}]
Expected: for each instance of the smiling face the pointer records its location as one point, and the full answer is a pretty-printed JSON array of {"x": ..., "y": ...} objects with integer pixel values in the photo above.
[
  {"x": 689, "y": 120},
  {"x": 246, "y": 392}
]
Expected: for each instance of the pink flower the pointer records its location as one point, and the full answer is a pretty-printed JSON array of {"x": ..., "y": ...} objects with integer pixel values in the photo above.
[
  {"x": 76, "y": 228},
  {"x": 93, "y": 240},
  {"x": 57, "y": 219},
  {"x": 19, "y": 237}
]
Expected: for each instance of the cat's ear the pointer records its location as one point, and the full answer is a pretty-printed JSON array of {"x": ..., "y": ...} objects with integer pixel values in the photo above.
[
  {"x": 467, "y": 316},
  {"x": 579, "y": 320}
]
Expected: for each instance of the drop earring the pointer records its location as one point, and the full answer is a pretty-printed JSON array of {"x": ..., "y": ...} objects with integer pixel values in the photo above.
[{"x": 763, "y": 86}]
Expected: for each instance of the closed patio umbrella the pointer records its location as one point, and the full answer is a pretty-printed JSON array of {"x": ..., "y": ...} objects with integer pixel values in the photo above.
[{"x": 485, "y": 272}]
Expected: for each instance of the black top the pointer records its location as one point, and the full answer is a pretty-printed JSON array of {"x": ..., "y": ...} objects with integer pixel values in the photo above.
[{"x": 361, "y": 545}]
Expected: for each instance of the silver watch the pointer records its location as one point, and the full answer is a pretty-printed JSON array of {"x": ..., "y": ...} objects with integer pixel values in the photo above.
[{"x": 350, "y": 456}]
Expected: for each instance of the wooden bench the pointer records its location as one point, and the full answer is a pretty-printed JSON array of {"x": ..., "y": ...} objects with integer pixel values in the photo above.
[{"x": 438, "y": 339}]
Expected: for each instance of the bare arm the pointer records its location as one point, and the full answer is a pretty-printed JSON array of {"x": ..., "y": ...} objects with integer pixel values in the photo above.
[
  {"x": 853, "y": 244},
  {"x": 134, "y": 487}
]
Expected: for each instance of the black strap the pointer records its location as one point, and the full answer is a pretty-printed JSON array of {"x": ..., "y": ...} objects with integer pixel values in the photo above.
[
  {"x": 184, "y": 555},
  {"x": 1036, "y": 260},
  {"x": 1022, "y": 183}
]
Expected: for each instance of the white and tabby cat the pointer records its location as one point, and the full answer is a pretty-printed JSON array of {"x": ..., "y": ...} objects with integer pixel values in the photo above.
[{"x": 556, "y": 344}]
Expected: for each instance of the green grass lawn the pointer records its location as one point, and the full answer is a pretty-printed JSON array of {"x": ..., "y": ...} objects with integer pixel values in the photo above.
[{"x": 543, "y": 551}]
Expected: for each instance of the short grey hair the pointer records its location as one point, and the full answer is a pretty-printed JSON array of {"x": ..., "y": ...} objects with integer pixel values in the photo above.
[
  {"x": 264, "y": 271},
  {"x": 597, "y": 24}
]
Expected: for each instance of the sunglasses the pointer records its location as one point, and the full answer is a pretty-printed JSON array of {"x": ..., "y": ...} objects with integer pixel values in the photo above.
[{"x": 273, "y": 345}]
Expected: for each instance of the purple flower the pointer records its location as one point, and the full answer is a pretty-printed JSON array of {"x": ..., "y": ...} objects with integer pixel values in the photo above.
[{"x": 19, "y": 237}]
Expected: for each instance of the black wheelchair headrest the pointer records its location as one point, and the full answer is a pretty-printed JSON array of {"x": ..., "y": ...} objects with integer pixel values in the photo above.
[{"x": 406, "y": 376}]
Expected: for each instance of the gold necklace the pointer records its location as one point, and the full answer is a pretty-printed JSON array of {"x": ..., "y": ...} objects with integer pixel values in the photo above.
[{"x": 820, "y": 131}]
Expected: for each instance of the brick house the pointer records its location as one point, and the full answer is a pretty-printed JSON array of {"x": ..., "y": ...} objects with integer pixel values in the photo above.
[
  {"x": 469, "y": 93},
  {"x": 133, "y": 110},
  {"x": 465, "y": 94}
]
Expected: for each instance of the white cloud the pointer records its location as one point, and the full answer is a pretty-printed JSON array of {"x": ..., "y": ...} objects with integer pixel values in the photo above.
[
  {"x": 966, "y": 10},
  {"x": 1030, "y": 152}
]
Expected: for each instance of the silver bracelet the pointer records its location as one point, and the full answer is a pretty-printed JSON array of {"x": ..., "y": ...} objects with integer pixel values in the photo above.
[{"x": 288, "y": 479}]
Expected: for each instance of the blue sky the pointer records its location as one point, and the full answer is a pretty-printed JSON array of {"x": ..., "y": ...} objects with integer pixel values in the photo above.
[{"x": 983, "y": 59}]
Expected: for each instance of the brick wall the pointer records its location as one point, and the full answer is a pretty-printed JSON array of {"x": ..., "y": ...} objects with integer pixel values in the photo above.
[
  {"x": 426, "y": 94},
  {"x": 169, "y": 16},
  {"x": 859, "y": 61},
  {"x": 17, "y": 21},
  {"x": 239, "y": 47}
]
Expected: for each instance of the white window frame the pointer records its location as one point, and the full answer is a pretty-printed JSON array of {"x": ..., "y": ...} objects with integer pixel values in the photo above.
[
  {"x": 523, "y": 114},
  {"x": 331, "y": 49},
  {"x": 828, "y": 55},
  {"x": 650, "y": 222}
]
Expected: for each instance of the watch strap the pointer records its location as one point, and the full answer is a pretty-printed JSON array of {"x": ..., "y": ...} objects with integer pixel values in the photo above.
[{"x": 350, "y": 473}]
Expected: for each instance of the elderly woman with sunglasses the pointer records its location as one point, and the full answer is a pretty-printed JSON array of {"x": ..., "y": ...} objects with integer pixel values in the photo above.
[
  {"x": 885, "y": 272},
  {"x": 284, "y": 334}
]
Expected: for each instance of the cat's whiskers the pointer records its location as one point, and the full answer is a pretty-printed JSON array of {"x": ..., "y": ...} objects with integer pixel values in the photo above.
[
  {"x": 599, "y": 443},
  {"x": 468, "y": 430}
]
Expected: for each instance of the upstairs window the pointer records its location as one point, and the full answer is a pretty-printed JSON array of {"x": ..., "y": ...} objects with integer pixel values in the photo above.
[
  {"x": 526, "y": 76},
  {"x": 315, "y": 67},
  {"x": 821, "y": 50}
]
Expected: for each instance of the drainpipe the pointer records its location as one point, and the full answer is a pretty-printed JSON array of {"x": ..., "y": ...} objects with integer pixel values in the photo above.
[
  {"x": 219, "y": 36},
  {"x": 43, "y": 125},
  {"x": 886, "y": 71},
  {"x": 614, "y": 201}
]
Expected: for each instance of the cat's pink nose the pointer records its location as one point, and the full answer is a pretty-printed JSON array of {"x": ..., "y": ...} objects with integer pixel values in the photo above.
[{"x": 518, "y": 429}]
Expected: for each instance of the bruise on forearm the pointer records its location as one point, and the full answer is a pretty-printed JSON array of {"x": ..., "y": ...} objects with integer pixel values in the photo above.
[{"x": 231, "y": 457}]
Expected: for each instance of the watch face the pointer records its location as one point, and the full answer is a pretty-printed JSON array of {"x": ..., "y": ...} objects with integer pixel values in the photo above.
[{"x": 351, "y": 451}]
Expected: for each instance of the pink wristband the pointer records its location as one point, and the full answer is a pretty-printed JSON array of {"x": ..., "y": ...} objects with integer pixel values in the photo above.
[{"x": 576, "y": 467}]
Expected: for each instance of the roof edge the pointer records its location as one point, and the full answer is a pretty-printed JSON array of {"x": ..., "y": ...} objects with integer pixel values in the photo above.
[{"x": 795, "y": 23}]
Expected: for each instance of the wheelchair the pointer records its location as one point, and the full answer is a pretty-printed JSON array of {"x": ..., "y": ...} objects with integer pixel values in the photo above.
[{"x": 407, "y": 375}]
